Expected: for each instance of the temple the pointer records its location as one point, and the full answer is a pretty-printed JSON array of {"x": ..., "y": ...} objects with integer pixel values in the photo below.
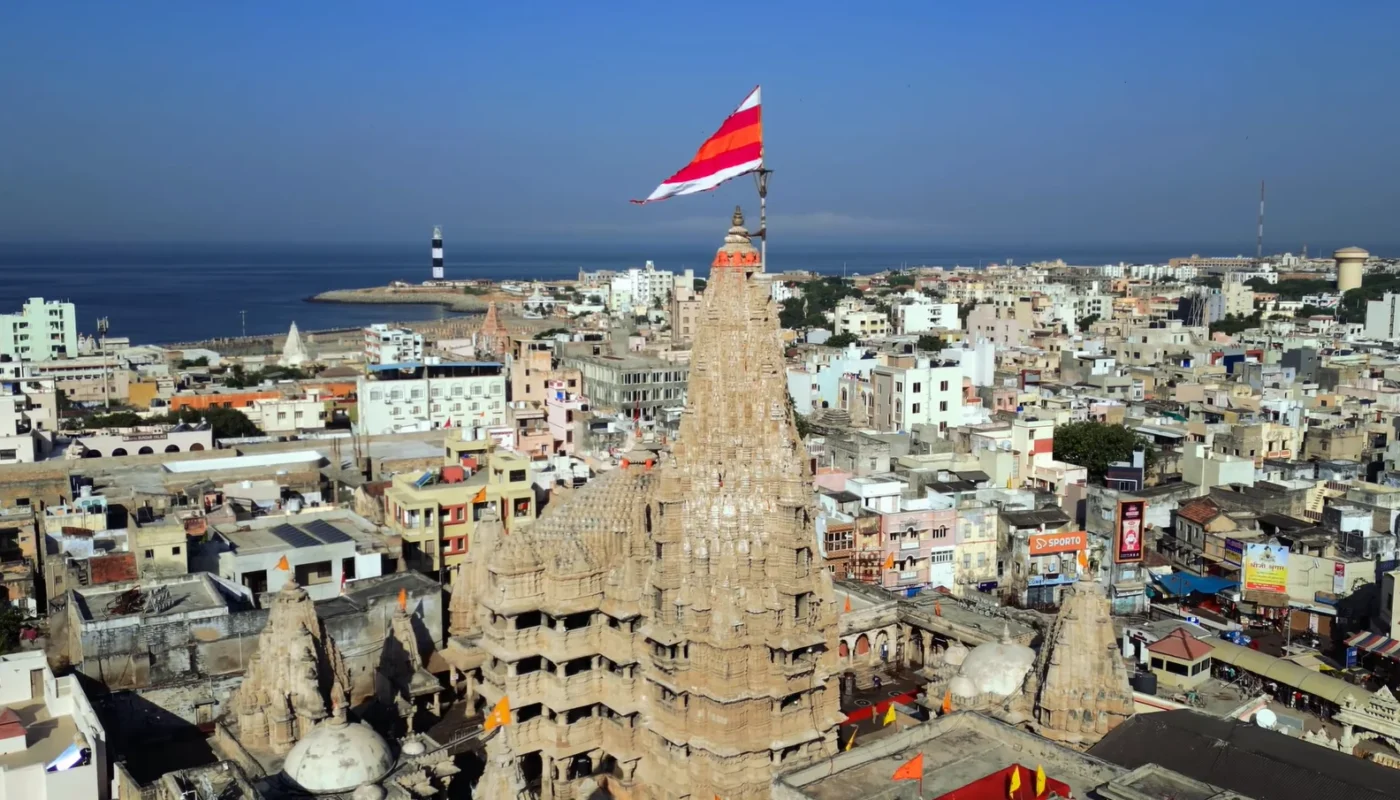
[{"x": 669, "y": 625}]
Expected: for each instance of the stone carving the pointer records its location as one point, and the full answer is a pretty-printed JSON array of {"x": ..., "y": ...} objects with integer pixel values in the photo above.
[
  {"x": 1081, "y": 683},
  {"x": 295, "y": 680},
  {"x": 670, "y": 625}
]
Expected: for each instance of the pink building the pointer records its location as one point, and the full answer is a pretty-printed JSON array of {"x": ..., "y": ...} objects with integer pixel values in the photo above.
[{"x": 560, "y": 406}]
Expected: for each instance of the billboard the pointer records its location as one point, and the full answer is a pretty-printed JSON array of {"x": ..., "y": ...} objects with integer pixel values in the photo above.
[
  {"x": 1127, "y": 541},
  {"x": 1266, "y": 568},
  {"x": 1045, "y": 544},
  {"x": 1234, "y": 552}
]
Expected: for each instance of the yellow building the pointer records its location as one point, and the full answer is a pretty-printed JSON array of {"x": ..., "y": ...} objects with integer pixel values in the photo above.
[
  {"x": 1180, "y": 660},
  {"x": 162, "y": 548},
  {"x": 435, "y": 511}
]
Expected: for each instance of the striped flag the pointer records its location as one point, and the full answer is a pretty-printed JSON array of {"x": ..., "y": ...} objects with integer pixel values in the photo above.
[{"x": 735, "y": 149}]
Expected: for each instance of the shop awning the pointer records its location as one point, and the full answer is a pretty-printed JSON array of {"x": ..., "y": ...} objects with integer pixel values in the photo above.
[
  {"x": 1183, "y": 583},
  {"x": 1375, "y": 643}
]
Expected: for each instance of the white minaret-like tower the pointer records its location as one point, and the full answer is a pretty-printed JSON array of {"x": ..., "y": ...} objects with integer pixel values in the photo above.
[{"x": 437, "y": 253}]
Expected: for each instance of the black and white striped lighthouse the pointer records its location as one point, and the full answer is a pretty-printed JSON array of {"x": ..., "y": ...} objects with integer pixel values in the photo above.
[{"x": 437, "y": 253}]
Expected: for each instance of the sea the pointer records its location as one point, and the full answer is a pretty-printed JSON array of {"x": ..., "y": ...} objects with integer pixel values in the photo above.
[{"x": 165, "y": 293}]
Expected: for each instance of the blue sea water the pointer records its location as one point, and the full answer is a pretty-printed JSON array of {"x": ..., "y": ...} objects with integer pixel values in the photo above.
[{"x": 184, "y": 292}]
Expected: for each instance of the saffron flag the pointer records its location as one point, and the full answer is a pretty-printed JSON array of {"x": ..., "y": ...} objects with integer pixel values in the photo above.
[
  {"x": 851, "y": 742},
  {"x": 1039, "y": 780},
  {"x": 480, "y": 496},
  {"x": 889, "y": 715},
  {"x": 500, "y": 715},
  {"x": 1015, "y": 782},
  {"x": 848, "y": 604},
  {"x": 911, "y": 770},
  {"x": 403, "y": 599},
  {"x": 948, "y": 702},
  {"x": 889, "y": 561},
  {"x": 735, "y": 149},
  {"x": 283, "y": 565}
]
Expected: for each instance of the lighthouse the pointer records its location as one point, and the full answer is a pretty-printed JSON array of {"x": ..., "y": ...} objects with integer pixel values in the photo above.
[{"x": 437, "y": 253}]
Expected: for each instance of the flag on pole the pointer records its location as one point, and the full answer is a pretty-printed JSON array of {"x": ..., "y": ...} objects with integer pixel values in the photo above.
[
  {"x": 735, "y": 149},
  {"x": 889, "y": 561},
  {"x": 848, "y": 604},
  {"x": 948, "y": 702},
  {"x": 1039, "y": 780},
  {"x": 889, "y": 716},
  {"x": 480, "y": 496},
  {"x": 1015, "y": 782},
  {"x": 283, "y": 565},
  {"x": 500, "y": 715},
  {"x": 911, "y": 770},
  {"x": 851, "y": 742}
]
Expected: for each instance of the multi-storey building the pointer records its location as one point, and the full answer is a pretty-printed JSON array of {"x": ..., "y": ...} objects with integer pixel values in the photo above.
[
  {"x": 853, "y": 318},
  {"x": 913, "y": 391},
  {"x": 1383, "y": 317},
  {"x": 386, "y": 345},
  {"x": 87, "y": 379},
  {"x": 42, "y": 331},
  {"x": 436, "y": 511},
  {"x": 919, "y": 314},
  {"x": 638, "y": 387},
  {"x": 640, "y": 289},
  {"x": 420, "y": 396},
  {"x": 28, "y": 414},
  {"x": 562, "y": 406}
]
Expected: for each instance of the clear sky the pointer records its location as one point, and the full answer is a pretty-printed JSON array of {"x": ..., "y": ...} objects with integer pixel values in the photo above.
[{"x": 926, "y": 121}]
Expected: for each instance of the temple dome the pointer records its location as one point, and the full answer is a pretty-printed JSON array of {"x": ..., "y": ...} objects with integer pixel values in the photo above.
[
  {"x": 998, "y": 668},
  {"x": 338, "y": 757},
  {"x": 955, "y": 654}
]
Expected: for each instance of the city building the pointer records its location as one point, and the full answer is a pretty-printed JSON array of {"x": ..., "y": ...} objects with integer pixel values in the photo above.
[
  {"x": 28, "y": 415},
  {"x": 386, "y": 345},
  {"x": 41, "y": 331},
  {"x": 638, "y": 387},
  {"x": 420, "y": 396},
  {"x": 917, "y": 394},
  {"x": 143, "y": 441},
  {"x": 1383, "y": 318},
  {"x": 851, "y": 317},
  {"x": 52, "y": 745},
  {"x": 436, "y": 511},
  {"x": 918, "y": 313},
  {"x": 86, "y": 379},
  {"x": 636, "y": 291}
]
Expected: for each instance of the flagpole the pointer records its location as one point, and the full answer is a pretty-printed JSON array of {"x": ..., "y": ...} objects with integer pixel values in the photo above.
[{"x": 761, "y": 178}]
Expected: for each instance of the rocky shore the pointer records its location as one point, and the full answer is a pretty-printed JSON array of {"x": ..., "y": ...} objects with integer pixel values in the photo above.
[{"x": 385, "y": 295}]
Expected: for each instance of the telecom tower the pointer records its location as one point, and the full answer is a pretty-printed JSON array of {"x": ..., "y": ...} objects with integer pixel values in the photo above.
[{"x": 437, "y": 253}]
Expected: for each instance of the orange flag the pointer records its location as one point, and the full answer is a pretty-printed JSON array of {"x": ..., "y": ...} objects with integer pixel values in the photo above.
[
  {"x": 403, "y": 599},
  {"x": 480, "y": 496},
  {"x": 889, "y": 561},
  {"x": 911, "y": 770},
  {"x": 948, "y": 702},
  {"x": 500, "y": 715},
  {"x": 937, "y": 609},
  {"x": 283, "y": 565},
  {"x": 848, "y": 604}
]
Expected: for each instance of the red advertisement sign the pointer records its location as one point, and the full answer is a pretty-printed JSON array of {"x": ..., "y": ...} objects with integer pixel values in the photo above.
[{"x": 1128, "y": 541}]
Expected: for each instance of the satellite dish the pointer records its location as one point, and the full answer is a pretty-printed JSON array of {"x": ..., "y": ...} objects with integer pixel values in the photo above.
[{"x": 1265, "y": 719}]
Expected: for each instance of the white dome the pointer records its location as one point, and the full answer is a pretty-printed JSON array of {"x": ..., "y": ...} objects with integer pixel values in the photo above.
[
  {"x": 960, "y": 686},
  {"x": 998, "y": 668},
  {"x": 955, "y": 654},
  {"x": 338, "y": 757}
]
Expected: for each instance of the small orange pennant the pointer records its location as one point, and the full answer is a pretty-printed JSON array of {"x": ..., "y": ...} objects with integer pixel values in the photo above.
[
  {"x": 500, "y": 715},
  {"x": 480, "y": 496},
  {"x": 948, "y": 702},
  {"x": 403, "y": 599},
  {"x": 889, "y": 561},
  {"x": 848, "y": 604},
  {"x": 911, "y": 770},
  {"x": 283, "y": 565}
]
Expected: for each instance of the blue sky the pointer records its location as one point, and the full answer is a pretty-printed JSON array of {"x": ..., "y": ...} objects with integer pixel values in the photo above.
[{"x": 1014, "y": 123}]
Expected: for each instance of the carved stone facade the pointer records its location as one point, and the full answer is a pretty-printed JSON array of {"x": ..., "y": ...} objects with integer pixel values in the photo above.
[
  {"x": 294, "y": 681},
  {"x": 668, "y": 630},
  {"x": 1081, "y": 684}
]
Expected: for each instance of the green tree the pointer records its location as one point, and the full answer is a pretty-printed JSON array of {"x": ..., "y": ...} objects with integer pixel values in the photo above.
[
  {"x": 227, "y": 423},
  {"x": 929, "y": 342},
  {"x": 1309, "y": 311},
  {"x": 1211, "y": 281},
  {"x": 700, "y": 284},
  {"x": 551, "y": 333},
  {"x": 1234, "y": 324},
  {"x": 10, "y": 621},
  {"x": 794, "y": 313},
  {"x": 804, "y": 426},
  {"x": 964, "y": 310},
  {"x": 1083, "y": 323},
  {"x": 901, "y": 279},
  {"x": 841, "y": 340},
  {"x": 1094, "y": 445}
]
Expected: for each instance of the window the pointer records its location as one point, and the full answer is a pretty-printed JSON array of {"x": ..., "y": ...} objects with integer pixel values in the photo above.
[
  {"x": 943, "y": 405},
  {"x": 941, "y": 557},
  {"x": 150, "y": 554},
  {"x": 918, "y": 387},
  {"x": 915, "y": 408},
  {"x": 942, "y": 386},
  {"x": 174, "y": 551}
]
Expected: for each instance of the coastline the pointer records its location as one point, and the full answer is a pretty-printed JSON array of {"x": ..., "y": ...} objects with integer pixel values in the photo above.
[{"x": 383, "y": 295}]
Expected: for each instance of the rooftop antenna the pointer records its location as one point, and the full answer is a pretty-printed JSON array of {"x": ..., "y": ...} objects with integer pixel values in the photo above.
[
  {"x": 243, "y": 317},
  {"x": 1259, "y": 242}
]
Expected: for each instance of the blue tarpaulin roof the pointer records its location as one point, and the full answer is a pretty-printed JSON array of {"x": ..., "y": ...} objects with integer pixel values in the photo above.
[{"x": 1181, "y": 583}]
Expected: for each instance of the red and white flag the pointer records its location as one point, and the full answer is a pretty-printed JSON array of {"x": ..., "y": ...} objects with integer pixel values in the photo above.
[{"x": 735, "y": 149}]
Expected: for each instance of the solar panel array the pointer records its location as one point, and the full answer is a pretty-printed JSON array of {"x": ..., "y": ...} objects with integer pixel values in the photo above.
[
  {"x": 326, "y": 532},
  {"x": 293, "y": 536}
]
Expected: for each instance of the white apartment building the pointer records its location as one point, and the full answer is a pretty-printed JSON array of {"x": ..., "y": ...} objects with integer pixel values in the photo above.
[
  {"x": 52, "y": 745},
  {"x": 43, "y": 330},
  {"x": 1383, "y": 318},
  {"x": 920, "y": 395},
  {"x": 850, "y": 316},
  {"x": 402, "y": 398},
  {"x": 28, "y": 414},
  {"x": 784, "y": 290},
  {"x": 287, "y": 414},
  {"x": 643, "y": 287},
  {"x": 386, "y": 345},
  {"x": 918, "y": 313},
  {"x": 1245, "y": 276}
]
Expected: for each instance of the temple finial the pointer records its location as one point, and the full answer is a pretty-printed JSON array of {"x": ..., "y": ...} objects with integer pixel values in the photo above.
[{"x": 738, "y": 220}]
